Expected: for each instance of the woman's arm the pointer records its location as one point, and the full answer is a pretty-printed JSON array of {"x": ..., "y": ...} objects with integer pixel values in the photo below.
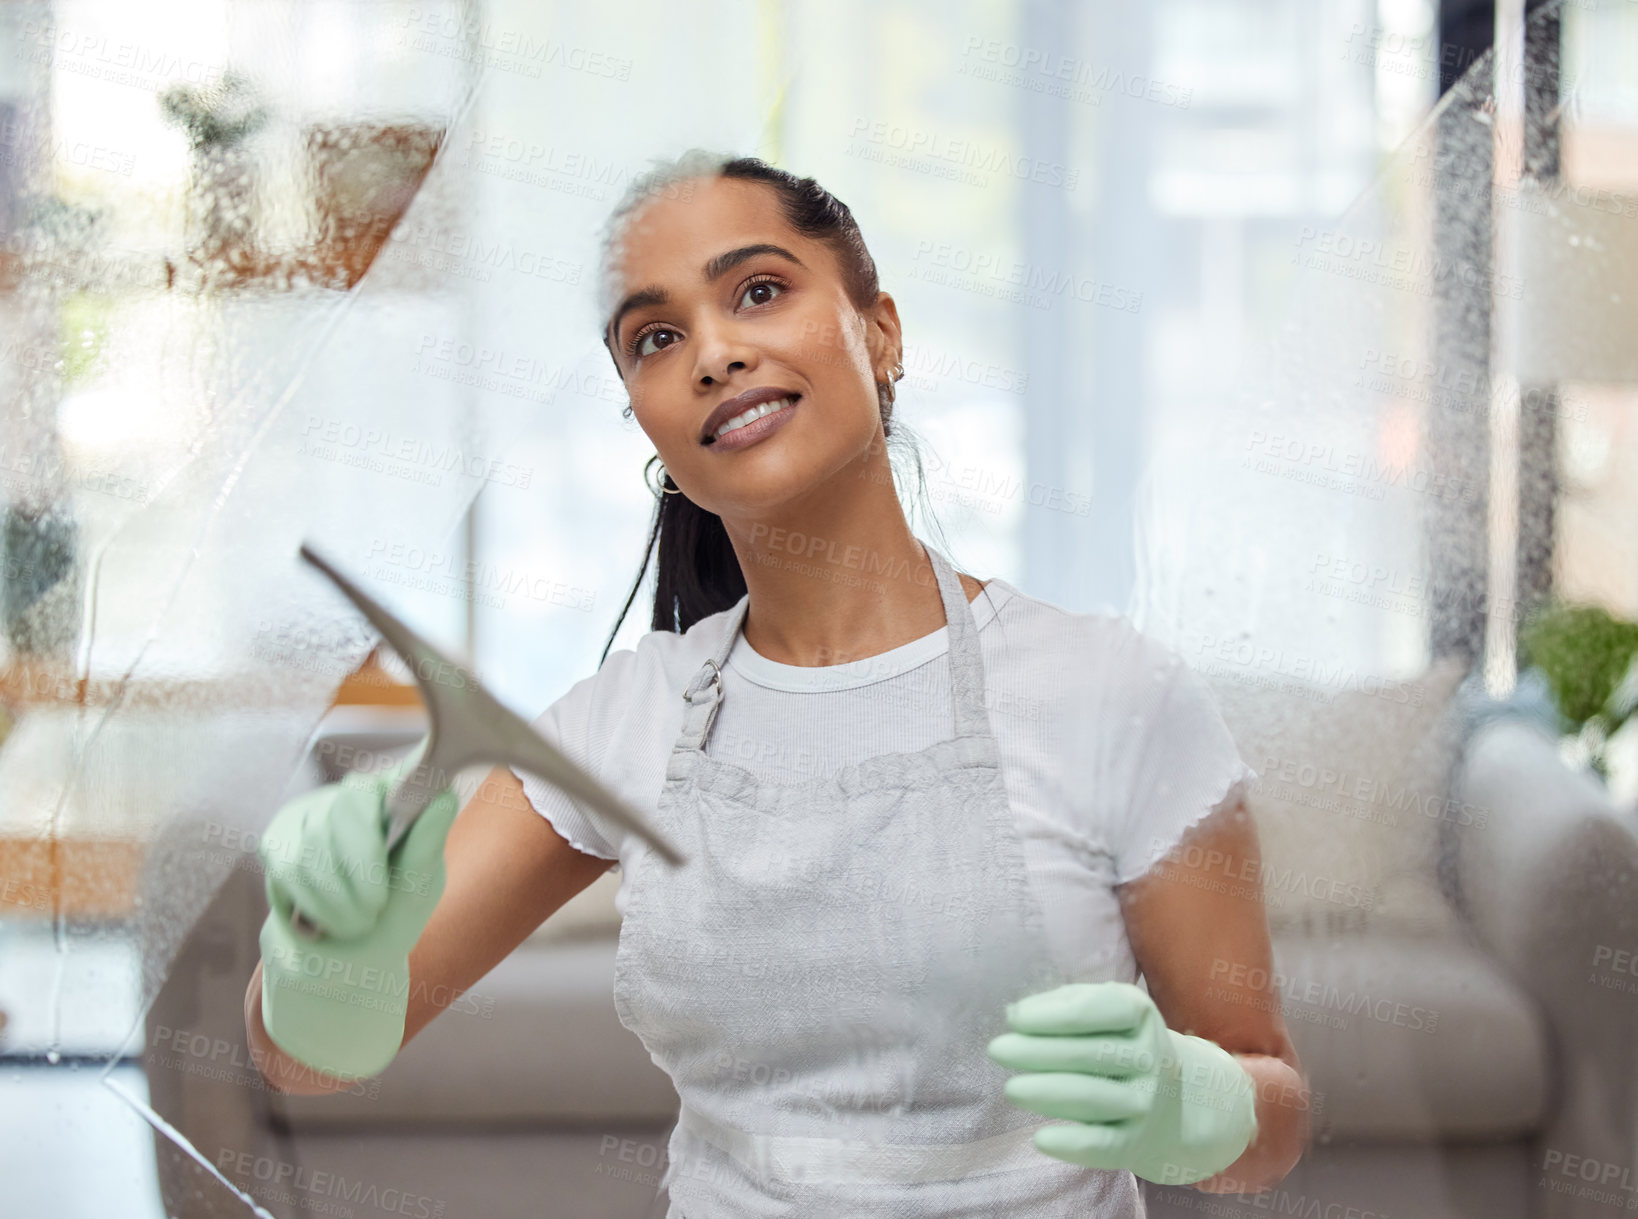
[
  {"x": 1198, "y": 930},
  {"x": 507, "y": 870}
]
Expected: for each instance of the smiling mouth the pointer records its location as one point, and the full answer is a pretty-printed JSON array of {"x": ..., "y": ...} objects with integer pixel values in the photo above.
[{"x": 751, "y": 415}]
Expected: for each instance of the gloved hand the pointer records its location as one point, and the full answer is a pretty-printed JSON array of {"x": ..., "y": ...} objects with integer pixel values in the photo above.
[
  {"x": 338, "y": 1003},
  {"x": 1171, "y": 1107}
]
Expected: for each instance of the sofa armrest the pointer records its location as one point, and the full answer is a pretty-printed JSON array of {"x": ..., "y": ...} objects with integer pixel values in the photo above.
[{"x": 1546, "y": 873}]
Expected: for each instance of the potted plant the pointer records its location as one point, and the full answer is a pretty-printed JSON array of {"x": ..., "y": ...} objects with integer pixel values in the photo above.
[
  {"x": 218, "y": 119},
  {"x": 1589, "y": 660}
]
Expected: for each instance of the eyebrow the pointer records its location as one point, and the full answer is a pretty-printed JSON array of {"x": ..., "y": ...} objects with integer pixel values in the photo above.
[{"x": 715, "y": 268}]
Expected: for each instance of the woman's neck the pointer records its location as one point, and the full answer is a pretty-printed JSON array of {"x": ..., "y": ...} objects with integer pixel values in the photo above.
[{"x": 829, "y": 587}]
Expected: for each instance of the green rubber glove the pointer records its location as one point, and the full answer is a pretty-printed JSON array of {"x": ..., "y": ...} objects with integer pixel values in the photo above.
[
  {"x": 1171, "y": 1107},
  {"x": 338, "y": 1003}
]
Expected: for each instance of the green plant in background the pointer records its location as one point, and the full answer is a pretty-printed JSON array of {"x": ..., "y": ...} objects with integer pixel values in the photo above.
[
  {"x": 1590, "y": 660},
  {"x": 39, "y": 597},
  {"x": 218, "y": 120},
  {"x": 219, "y": 115}
]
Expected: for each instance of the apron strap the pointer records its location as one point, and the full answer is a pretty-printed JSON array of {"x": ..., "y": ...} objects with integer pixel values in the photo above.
[
  {"x": 704, "y": 693},
  {"x": 966, "y": 658}
]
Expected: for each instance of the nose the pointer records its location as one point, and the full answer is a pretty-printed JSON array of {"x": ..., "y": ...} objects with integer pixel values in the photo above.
[{"x": 719, "y": 352}]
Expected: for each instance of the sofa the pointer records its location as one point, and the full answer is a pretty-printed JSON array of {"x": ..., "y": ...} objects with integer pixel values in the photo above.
[
  {"x": 1439, "y": 885},
  {"x": 1454, "y": 915}
]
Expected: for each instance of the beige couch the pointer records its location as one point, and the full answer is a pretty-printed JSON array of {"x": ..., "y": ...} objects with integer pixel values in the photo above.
[
  {"x": 1436, "y": 897},
  {"x": 1436, "y": 901}
]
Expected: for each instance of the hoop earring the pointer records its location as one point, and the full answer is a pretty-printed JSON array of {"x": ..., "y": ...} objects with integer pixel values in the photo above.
[
  {"x": 888, "y": 389},
  {"x": 664, "y": 474}
]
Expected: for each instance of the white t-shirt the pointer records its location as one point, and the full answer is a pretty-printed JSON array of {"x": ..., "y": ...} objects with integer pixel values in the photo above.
[{"x": 1110, "y": 746}]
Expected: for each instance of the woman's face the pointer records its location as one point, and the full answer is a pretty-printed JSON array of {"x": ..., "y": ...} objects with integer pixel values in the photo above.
[{"x": 706, "y": 316}]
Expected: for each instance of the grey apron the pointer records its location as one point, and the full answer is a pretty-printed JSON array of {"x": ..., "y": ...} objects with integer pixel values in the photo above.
[{"x": 821, "y": 978}]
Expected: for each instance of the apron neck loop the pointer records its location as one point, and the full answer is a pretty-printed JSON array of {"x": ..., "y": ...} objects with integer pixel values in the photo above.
[
  {"x": 704, "y": 693},
  {"x": 700, "y": 702}
]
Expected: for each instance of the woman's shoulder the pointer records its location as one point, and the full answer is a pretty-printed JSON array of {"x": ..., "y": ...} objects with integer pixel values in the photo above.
[
  {"x": 664, "y": 659},
  {"x": 620, "y": 698},
  {"x": 1075, "y": 637},
  {"x": 1103, "y": 687}
]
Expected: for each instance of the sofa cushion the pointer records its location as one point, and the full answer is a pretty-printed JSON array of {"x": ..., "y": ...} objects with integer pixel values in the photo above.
[
  {"x": 535, "y": 1040},
  {"x": 1350, "y": 794},
  {"x": 1411, "y": 1038}
]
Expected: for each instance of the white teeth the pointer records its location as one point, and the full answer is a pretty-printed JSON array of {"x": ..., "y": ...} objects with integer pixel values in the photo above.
[{"x": 751, "y": 416}]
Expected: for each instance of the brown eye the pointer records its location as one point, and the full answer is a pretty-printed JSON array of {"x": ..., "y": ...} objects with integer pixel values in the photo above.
[
  {"x": 763, "y": 291},
  {"x": 637, "y": 344}
]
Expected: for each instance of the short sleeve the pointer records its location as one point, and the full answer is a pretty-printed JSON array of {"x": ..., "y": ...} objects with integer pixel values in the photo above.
[
  {"x": 567, "y": 724},
  {"x": 1166, "y": 757}
]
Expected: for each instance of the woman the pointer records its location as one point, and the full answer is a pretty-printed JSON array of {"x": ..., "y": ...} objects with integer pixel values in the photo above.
[{"x": 932, "y": 835}]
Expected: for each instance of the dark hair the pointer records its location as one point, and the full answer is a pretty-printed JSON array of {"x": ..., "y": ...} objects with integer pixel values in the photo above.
[{"x": 699, "y": 573}]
